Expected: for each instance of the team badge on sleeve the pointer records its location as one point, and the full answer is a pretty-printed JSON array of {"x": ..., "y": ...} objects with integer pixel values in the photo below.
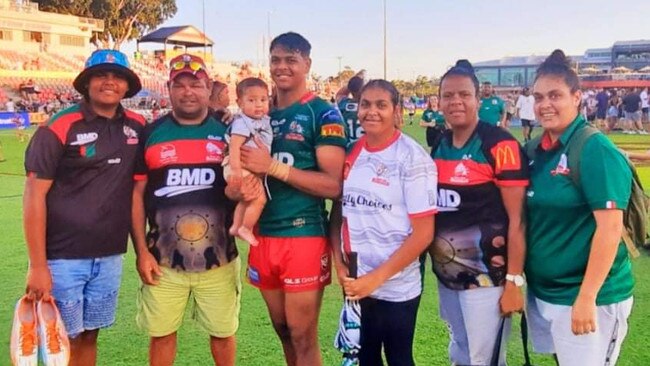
[{"x": 332, "y": 130}]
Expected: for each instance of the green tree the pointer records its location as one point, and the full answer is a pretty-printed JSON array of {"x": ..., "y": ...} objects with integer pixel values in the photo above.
[
  {"x": 123, "y": 19},
  {"x": 344, "y": 76},
  {"x": 422, "y": 86}
]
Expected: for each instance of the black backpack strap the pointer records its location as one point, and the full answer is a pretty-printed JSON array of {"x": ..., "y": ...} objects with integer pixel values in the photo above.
[
  {"x": 496, "y": 351},
  {"x": 523, "y": 325}
]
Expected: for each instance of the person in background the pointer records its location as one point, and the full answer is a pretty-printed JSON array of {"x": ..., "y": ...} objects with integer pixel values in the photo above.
[
  {"x": 433, "y": 121},
  {"x": 493, "y": 108},
  {"x": 602, "y": 104},
  {"x": 347, "y": 99},
  {"x": 511, "y": 110},
  {"x": 645, "y": 106},
  {"x": 525, "y": 112},
  {"x": 578, "y": 270},
  {"x": 632, "y": 109},
  {"x": 219, "y": 99},
  {"x": 613, "y": 112},
  {"x": 410, "y": 108}
]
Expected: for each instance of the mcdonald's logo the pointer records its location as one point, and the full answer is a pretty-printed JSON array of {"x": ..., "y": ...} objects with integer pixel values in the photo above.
[{"x": 506, "y": 156}]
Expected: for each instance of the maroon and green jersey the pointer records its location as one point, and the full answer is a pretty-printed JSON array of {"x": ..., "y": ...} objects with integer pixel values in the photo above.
[
  {"x": 298, "y": 130},
  {"x": 90, "y": 160},
  {"x": 185, "y": 203},
  {"x": 472, "y": 224}
]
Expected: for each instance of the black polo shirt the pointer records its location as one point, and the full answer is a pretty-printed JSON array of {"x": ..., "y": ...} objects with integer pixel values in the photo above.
[{"x": 91, "y": 162}]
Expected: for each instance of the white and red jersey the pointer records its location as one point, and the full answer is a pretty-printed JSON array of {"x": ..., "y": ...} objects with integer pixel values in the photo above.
[{"x": 383, "y": 189}]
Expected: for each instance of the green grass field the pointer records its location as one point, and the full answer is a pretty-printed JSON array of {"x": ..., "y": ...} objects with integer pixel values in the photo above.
[{"x": 125, "y": 344}]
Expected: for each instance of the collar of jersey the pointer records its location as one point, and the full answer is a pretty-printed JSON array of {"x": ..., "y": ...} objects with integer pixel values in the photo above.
[
  {"x": 545, "y": 143},
  {"x": 89, "y": 114},
  {"x": 205, "y": 120},
  {"x": 382, "y": 146}
]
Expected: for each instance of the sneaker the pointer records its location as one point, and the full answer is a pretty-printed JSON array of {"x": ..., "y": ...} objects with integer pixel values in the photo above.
[
  {"x": 24, "y": 338},
  {"x": 643, "y": 132},
  {"x": 54, "y": 343}
]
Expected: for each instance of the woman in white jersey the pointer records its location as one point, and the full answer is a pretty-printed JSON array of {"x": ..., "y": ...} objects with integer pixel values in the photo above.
[{"x": 388, "y": 206}]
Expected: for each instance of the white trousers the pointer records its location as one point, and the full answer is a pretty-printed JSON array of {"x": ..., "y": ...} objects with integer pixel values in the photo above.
[{"x": 473, "y": 317}]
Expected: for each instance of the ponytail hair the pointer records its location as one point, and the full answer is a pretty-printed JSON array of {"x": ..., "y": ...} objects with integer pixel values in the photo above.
[{"x": 559, "y": 65}]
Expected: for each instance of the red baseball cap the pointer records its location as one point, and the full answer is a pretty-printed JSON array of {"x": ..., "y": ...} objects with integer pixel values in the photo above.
[{"x": 187, "y": 64}]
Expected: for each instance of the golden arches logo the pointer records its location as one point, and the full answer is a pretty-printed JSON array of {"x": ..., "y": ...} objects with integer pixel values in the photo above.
[{"x": 505, "y": 158}]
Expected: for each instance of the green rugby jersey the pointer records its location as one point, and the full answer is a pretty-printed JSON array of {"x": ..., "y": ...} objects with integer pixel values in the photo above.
[
  {"x": 560, "y": 221},
  {"x": 297, "y": 131},
  {"x": 491, "y": 110},
  {"x": 429, "y": 115},
  {"x": 349, "y": 108}
]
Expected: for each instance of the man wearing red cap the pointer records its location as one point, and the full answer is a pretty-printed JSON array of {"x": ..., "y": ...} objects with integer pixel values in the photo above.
[
  {"x": 79, "y": 184},
  {"x": 187, "y": 254}
]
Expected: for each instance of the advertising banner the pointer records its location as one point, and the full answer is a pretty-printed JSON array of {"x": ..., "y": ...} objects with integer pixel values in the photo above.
[{"x": 10, "y": 120}]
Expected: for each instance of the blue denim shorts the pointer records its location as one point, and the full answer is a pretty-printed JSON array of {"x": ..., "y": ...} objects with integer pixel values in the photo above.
[{"x": 85, "y": 291}]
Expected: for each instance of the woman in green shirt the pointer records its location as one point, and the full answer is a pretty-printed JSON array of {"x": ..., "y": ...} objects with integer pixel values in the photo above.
[
  {"x": 578, "y": 271},
  {"x": 433, "y": 121}
]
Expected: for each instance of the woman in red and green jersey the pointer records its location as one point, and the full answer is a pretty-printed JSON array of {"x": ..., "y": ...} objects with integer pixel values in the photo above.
[
  {"x": 578, "y": 271},
  {"x": 478, "y": 250}
]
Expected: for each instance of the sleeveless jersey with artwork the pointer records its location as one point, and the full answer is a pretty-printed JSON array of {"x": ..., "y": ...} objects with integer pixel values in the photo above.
[
  {"x": 349, "y": 108},
  {"x": 187, "y": 209},
  {"x": 298, "y": 131},
  {"x": 470, "y": 246}
]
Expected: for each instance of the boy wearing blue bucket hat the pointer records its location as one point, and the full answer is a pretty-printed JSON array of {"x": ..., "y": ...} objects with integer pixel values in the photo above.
[{"x": 77, "y": 201}]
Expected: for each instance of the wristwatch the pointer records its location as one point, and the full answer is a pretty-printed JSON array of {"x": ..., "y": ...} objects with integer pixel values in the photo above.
[{"x": 518, "y": 280}]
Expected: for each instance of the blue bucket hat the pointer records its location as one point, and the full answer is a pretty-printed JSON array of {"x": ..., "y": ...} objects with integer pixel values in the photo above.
[{"x": 107, "y": 60}]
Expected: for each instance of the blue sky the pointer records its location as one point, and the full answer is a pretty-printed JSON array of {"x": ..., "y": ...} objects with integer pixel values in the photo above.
[{"x": 424, "y": 36}]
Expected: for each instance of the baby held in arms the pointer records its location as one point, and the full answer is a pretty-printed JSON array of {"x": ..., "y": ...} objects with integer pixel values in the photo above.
[{"x": 253, "y": 122}]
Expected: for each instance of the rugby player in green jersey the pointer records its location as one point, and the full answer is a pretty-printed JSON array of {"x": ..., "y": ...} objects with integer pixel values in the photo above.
[
  {"x": 291, "y": 264},
  {"x": 349, "y": 106}
]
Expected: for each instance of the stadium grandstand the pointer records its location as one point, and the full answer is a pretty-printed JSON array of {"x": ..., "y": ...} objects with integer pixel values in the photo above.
[
  {"x": 42, "y": 52},
  {"x": 623, "y": 65}
]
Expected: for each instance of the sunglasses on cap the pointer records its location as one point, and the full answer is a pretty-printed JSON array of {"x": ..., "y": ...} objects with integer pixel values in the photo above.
[{"x": 193, "y": 65}]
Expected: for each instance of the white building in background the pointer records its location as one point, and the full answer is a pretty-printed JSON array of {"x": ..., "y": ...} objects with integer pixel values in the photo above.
[{"x": 23, "y": 27}]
